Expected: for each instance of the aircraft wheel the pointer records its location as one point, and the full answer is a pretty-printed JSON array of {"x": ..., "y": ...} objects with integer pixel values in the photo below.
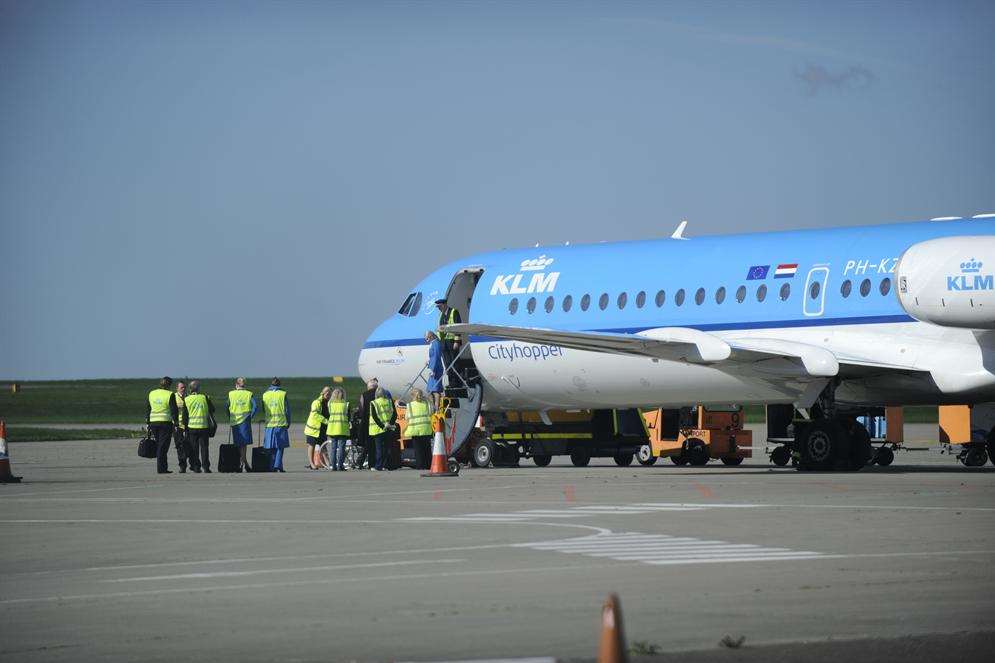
[
  {"x": 645, "y": 455},
  {"x": 679, "y": 460},
  {"x": 452, "y": 465},
  {"x": 623, "y": 460},
  {"x": 735, "y": 460},
  {"x": 542, "y": 460},
  {"x": 580, "y": 457},
  {"x": 483, "y": 453},
  {"x": 991, "y": 446},
  {"x": 781, "y": 456},
  {"x": 861, "y": 451},
  {"x": 884, "y": 456},
  {"x": 696, "y": 452},
  {"x": 974, "y": 457},
  {"x": 822, "y": 444}
]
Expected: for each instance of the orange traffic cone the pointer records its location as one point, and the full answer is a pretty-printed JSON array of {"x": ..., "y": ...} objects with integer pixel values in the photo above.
[
  {"x": 612, "y": 649},
  {"x": 5, "y": 475},
  {"x": 440, "y": 459}
]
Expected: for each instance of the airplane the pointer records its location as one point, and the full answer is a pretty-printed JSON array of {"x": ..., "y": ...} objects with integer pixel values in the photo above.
[{"x": 821, "y": 319}]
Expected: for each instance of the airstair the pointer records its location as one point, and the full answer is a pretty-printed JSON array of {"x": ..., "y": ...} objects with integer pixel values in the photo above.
[{"x": 461, "y": 400}]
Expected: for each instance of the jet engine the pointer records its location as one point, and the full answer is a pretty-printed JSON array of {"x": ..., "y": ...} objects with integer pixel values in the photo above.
[{"x": 949, "y": 281}]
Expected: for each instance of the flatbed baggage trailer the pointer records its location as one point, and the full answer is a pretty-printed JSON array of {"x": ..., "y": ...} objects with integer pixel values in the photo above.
[{"x": 693, "y": 436}]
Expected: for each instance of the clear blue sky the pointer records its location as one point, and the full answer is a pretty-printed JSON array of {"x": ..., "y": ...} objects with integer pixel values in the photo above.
[{"x": 248, "y": 188}]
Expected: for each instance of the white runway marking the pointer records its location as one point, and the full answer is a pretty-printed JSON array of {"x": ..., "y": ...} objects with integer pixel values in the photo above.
[
  {"x": 660, "y": 549},
  {"x": 571, "y": 512},
  {"x": 289, "y": 569}
]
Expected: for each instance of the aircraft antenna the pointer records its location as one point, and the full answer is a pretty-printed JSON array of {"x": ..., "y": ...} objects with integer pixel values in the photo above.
[{"x": 679, "y": 232}]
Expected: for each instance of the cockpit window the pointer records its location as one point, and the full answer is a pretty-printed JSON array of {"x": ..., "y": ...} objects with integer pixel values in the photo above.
[
  {"x": 406, "y": 306},
  {"x": 415, "y": 305}
]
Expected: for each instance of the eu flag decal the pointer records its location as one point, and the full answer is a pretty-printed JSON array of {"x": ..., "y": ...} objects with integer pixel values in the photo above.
[{"x": 757, "y": 273}]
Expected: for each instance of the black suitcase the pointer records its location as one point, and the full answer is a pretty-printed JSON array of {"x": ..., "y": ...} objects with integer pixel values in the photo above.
[
  {"x": 148, "y": 447},
  {"x": 262, "y": 459},
  {"x": 229, "y": 460}
]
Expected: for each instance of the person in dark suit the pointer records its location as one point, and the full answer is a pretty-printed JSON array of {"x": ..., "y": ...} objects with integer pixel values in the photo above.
[
  {"x": 363, "y": 437},
  {"x": 162, "y": 415}
]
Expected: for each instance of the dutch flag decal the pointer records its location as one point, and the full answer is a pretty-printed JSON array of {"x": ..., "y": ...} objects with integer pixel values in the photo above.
[{"x": 786, "y": 271}]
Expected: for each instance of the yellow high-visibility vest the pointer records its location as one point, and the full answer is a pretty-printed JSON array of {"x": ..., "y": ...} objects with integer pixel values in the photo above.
[
  {"x": 159, "y": 403},
  {"x": 239, "y": 405},
  {"x": 198, "y": 414},
  {"x": 384, "y": 408},
  {"x": 312, "y": 428},
  {"x": 447, "y": 318},
  {"x": 338, "y": 419},
  {"x": 180, "y": 406},
  {"x": 419, "y": 420},
  {"x": 274, "y": 403}
]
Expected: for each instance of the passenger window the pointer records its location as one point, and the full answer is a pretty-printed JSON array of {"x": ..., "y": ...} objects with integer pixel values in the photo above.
[
  {"x": 568, "y": 301},
  {"x": 846, "y": 288},
  {"x": 513, "y": 306},
  {"x": 585, "y": 302},
  {"x": 406, "y": 305},
  {"x": 415, "y": 305},
  {"x": 741, "y": 293},
  {"x": 699, "y": 297},
  {"x": 661, "y": 297},
  {"x": 720, "y": 295},
  {"x": 621, "y": 301},
  {"x": 885, "y": 286},
  {"x": 640, "y": 299},
  {"x": 761, "y": 292},
  {"x": 549, "y": 304},
  {"x": 679, "y": 297},
  {"x": 785, "y": 292},
  {"x": 865, "y": 287},
  {"x": 814, "y": 290},
  {"x": 603, "y": 301},
  {"x": 531, "y": 305}
]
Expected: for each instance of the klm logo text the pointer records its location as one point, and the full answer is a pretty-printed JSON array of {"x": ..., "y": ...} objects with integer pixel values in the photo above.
[
  {"x": 525, "y": 283},
  {"x": 970, "y": 277}
]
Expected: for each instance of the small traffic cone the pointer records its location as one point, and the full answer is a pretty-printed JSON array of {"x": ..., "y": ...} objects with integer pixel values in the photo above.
[
  {"x": 440, "y": 459},
  {"x": 612, "y": 649},
  {"x": 5, "y": 475}
]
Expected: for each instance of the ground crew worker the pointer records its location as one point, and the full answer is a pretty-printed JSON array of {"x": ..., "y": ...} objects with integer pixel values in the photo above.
[
  {"x": 180, "y": 432},
  {"x": 277, "y": 409},
  {"x": 314, "y": 428},
  {"x": 365, "y": 441},
  {"x": 435, "y": 369},
  {"x": 241, "y": 408},
  {"x": 338, "y": 429},
  {"x": 419, "y": 428},
  {"x": 199, "y": 413},
  {"x": 450, "y": 341},
  {"x": 161, "y": 414},
  {"x": 383, "y": 418}
]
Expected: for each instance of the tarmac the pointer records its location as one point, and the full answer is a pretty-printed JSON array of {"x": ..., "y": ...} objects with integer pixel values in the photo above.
[{"x": 100, "y": 558}]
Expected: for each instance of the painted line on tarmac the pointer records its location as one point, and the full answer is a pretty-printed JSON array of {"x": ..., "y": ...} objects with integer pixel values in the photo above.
[
  {"x": 493, "y": 660},
  {"x": 235, "y": 574}
]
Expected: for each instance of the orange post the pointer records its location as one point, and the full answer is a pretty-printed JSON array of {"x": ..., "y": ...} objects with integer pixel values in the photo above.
[{"x": 612, "y": 649}]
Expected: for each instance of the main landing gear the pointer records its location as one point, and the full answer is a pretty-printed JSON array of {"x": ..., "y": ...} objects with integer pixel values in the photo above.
[{"x": 831, "y": 441}]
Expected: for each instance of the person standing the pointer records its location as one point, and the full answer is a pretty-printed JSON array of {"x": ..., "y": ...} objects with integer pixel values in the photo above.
[
  {"x": 241, "y": 409},
  {"x": 314, "y": 428},
  {"x": 435, "y": 369},
  {"x": 383, "y": 416},
  {"x": 199, "y": 412},
  {"x": 180, "y": 432},
  {"x": 419, "y": 429},
  {"x": 450, "y": 341},
  {"x": 338, "y": 428},
  {"x": 363, "y": 438},
  {"x": 276, "y": 407},
  {"x": 161, "y": 415}
]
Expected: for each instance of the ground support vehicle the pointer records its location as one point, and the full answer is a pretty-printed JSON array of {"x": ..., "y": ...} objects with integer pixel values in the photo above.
[
  {"x": 968, "y": 433},
  {"x": 693, "y": 436}
]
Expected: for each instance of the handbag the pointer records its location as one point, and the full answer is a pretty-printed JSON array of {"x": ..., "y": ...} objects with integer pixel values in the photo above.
[
  {"x": 148, "y": 447},
  {"x": 212, "y": 429}
]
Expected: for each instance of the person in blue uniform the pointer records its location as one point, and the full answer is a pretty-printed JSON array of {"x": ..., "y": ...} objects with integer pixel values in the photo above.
[
  {"x": 276, "y": 406},
  {"x": 435, "y": 369},
  {"x": 241, "y": 408}
]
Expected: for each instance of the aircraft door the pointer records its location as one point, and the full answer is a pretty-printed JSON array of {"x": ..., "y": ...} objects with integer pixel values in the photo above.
[
  {"x": 460, "y": 293},
  {"x": 814, "y": 297}
]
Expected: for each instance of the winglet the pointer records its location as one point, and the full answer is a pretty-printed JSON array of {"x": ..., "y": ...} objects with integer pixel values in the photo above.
[{"x": 679, "y": 233}]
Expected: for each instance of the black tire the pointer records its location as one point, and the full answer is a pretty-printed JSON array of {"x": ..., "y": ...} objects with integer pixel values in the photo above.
[
  {"x": 580, "y": 457},
  {"x": 624, "y": 460},
  {"x": 452, "y": 465},
  {"x": 822, "y": 444},
  {"x": 861, "y": 450},
  {"x": 781, "y": 456},
  {"x": 483, "y": 453},
  {"x": 679, "y": 460},
  {"x": 737, "y": 460},
  {"x": 991, "y": 446},
  {"x": 645, "y": 456},
  {"x": 696, "y": 452},
  {"x": 975, "y": 457},
  {"x": 884, "y": 456},
  {"x": 542, "y": 460}
]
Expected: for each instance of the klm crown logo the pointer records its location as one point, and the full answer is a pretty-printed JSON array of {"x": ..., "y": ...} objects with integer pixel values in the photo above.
[
  {"x": 972, "y": 266},
  {"x": 537, "y": 264}
]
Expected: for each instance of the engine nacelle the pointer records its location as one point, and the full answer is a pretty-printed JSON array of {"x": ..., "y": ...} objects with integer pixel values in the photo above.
[{"x": 949, "y": 281}]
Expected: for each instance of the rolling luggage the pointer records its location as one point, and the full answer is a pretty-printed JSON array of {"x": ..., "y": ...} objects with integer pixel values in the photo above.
[
  {"x": 148, "y": 447},
  {"x": 262, "y": 459},
  {"x": 229, "y": 459}
]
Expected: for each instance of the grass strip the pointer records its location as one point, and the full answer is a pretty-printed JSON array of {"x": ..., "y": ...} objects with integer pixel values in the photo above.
[{"x": 18, "y": 434}]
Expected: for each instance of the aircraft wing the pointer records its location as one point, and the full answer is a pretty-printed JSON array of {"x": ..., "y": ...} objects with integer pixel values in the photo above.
[{"x": 766, "y": 355}]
